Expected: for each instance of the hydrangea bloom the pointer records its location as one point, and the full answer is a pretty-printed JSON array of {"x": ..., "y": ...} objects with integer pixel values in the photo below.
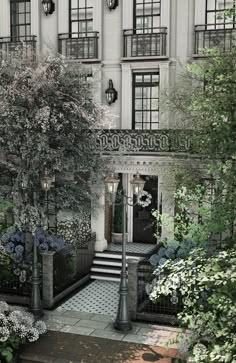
[
  {"x": 3, "y": 306},
  {"x": 4, "y": 334},
  {"x": 17, "y": 326}
]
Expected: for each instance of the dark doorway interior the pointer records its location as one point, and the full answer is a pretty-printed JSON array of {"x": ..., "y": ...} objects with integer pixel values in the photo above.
[{"x": 143, "y": 222}]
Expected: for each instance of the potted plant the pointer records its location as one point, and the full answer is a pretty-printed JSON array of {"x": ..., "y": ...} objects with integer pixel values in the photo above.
[{"x": 17, "y": 327}]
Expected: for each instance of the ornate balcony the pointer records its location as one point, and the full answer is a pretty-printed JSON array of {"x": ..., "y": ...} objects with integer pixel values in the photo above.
[
  {"x": 24, "y": 47},
  {"x": 79, "y": 45},
  {"x": 140, "y": 141},
  {"x": 222, "y": 38},
  {"x": 150, "y": 43}
]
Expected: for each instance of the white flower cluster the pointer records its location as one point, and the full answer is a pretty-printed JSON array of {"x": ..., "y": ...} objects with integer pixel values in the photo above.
[
  {"x": 18, "y": 325},
  {"x": 144, "y": 199}
]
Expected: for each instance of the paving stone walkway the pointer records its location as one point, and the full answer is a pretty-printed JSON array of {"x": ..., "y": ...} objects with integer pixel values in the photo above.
[{"x": 98, "y": 325}]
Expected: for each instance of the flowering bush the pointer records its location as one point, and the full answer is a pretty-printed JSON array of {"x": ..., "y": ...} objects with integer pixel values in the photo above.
[
  {"x": 172, "y": 250},
  {"x": 76, "y": 232},
  {"x": 13, "y": 245},
  {"x": 144, "y": 199},
  {"x": 16, "y": 328},
  {"x": 207, "y": 285}
]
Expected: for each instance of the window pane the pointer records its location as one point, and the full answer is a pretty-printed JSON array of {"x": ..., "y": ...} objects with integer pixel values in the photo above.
[
  {"x": 215, "y": 9},
  {"x": 138, "y": 116},
  {"x": 138, "y": 104},
  {"x": 146, "y": 105},
  {"x": 20, "y": 18},
  {"x": 211, "y": 4},
  {"x": 74, "y": 3},
  {"x": 82, "y": 12},
  {"x": 147, "y": 13},
  {"x": 138, "y": 92}
]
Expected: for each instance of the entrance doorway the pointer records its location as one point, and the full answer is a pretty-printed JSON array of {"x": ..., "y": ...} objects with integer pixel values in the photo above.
[{"x": 143, "y": 221}]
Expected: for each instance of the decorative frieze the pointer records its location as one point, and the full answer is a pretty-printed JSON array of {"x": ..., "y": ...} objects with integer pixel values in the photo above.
[{"x": 145, "y": 141}]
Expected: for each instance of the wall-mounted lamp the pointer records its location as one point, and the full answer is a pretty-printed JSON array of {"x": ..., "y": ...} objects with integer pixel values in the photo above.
[
  {"x": 111, "y": 93},
  {"x": 48, "y": 6},
  {"x": 112, "y": 4}
]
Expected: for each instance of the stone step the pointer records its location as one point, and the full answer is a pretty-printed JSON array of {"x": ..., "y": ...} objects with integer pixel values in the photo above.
[
  {"x": 107, "y": 262},
  {"x": 106, "y": 270},
  {"x": 106, "y": 277}
]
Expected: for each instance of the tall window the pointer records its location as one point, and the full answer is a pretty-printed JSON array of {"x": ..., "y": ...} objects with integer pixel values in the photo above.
[
  {"x": 146, "y": 15},
  {"x": 20, "y": 18},
  {"x": 145, "y": 101},
  {"x": 81, "y": 16},
  {"x": 215, "y": 17}
]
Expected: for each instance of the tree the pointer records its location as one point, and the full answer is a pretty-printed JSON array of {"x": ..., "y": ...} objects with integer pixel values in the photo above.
[
  {"x": 48, "y": 121},
  {"x": 206, "y": 102}
]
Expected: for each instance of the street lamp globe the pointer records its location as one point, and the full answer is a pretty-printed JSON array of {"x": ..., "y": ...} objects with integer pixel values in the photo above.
[
  {"x": 137, "y": 184},
  {"x": 46, "y": 181},
  {"x": 111, "y": 184}
]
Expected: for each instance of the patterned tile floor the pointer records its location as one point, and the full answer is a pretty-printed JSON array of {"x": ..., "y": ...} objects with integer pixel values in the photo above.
[
  {"x": 142, "y": 248},
  {"x": 99, "y": 297}
]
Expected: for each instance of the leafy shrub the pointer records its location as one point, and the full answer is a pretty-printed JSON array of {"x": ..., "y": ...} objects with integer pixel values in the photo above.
[{"x": 207, "y": 285}]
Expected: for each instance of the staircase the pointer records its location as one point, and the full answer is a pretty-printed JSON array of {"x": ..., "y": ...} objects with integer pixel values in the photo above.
[{"x": 107, "y": 266}]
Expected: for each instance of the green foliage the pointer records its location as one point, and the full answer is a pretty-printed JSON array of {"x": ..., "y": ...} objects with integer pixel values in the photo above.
[
  {"x": 207, "y": 285},
  {"x": 48, "y": 121},
  {"x": 206, "y": 103}
]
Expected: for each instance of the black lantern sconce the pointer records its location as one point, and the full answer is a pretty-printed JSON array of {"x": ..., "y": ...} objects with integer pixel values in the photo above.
[
  {"x": 111, "y": 93},
  {"x": 112, "y": 4},
  {"x": 48, "y": 6}
]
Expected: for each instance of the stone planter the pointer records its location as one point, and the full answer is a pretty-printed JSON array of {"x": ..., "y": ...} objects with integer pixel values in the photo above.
[{"x": 117, "y": 237}]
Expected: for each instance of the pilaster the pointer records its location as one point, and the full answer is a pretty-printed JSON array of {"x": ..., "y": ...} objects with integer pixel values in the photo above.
[
  {"x": 63, "y": 16},
  {"x": 127, "y": 14},
  {"x": 98, "y": 24},
  {"x": 5, "y": 18},
  {"x": 166, "y": 197},
  {"x": 98, "y": 220},
  {"x": 126, "y": 117}
]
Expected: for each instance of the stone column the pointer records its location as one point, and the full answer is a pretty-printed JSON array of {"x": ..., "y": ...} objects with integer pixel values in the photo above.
[
  {"x": 98, "y": 220},
  {"x": 166, "y": 197},
  {"x": 47, "y": 279}
]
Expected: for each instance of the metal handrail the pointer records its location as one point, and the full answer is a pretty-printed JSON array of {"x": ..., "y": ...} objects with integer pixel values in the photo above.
[
  {"x": 204, "y": 27},
  {"x": 134, "y": 30},
  {"x": 79, "y": 35},
  {"x": 16, "y": 39}
]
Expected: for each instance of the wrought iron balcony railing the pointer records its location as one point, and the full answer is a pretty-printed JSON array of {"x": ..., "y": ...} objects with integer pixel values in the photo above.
[
  {"x": 222, "y": 38},
  {"x": 78, "y": 45},
  {"x": 149, "y": 42},
  {"x": 24, "y": 47},
  {"x": 140, "y": 141}
]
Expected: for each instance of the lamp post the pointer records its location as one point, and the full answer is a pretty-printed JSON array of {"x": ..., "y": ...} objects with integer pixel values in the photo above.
[
  {"x": 35, "y": 304},
  {"x": 122, "y": 321}
]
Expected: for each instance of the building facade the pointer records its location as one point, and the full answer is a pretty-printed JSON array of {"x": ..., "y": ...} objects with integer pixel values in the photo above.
[{"x": 141, "y": 46}]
